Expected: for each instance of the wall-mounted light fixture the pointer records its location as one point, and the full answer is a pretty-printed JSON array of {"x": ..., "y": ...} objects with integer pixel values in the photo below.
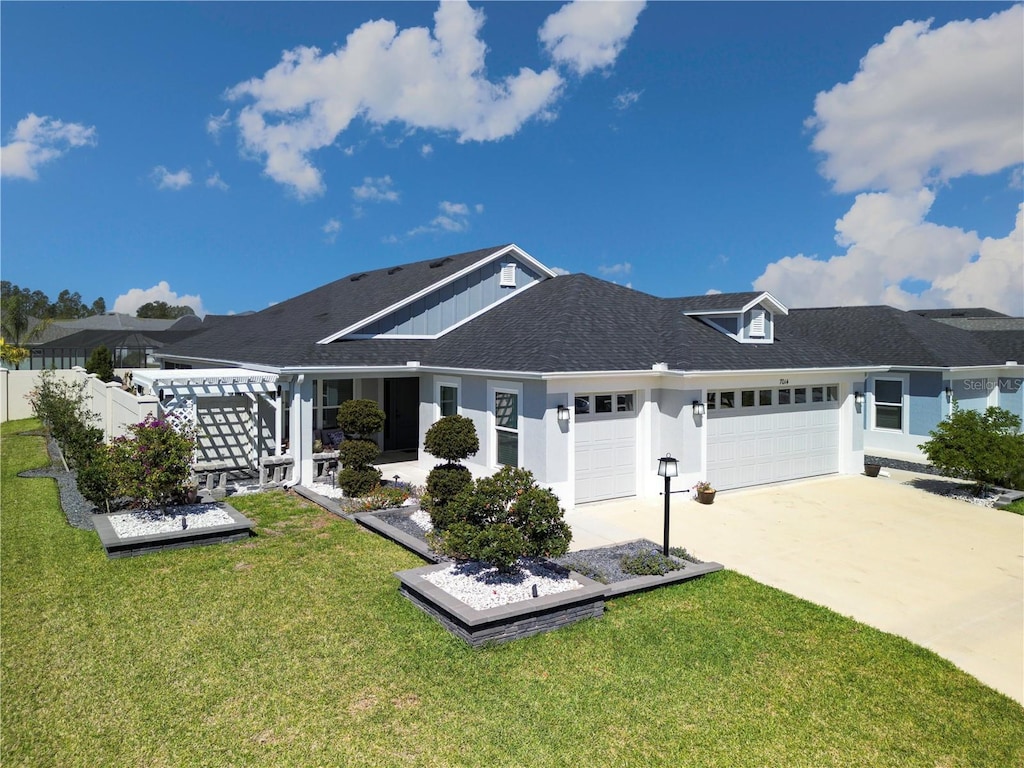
[
  {"x": 699, "y": 409},
  {"x": 858, "y": 398},
  {"x": 949, "y": 394},
  {"x": 563, "y": 414}
]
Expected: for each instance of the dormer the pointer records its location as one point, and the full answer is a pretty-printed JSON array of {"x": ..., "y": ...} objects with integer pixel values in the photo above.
[{"x": 748, "y": 318}]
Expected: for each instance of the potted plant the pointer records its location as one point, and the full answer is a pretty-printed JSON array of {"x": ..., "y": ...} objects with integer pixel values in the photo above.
[
  {"x": 705, "y": 492},
  {"x": 872, "y": 470}
]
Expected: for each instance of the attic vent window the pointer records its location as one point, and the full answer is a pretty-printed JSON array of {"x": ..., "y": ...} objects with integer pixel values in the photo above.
[
  {"x": 439, "y": 262},
  {"x": 508, "y": 276},
  {"x": 757, "y": 323},
  {"x": 360, "y": 276}
]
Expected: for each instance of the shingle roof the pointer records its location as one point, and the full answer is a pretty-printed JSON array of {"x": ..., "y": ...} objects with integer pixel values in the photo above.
[
  {"x": 716, "y": 302},
  {"x": 957, "y": 312}
]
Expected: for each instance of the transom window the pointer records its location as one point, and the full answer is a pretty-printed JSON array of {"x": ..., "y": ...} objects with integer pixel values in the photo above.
[
  {"x": 617, "y": 402},
  {"x": 766, "y": 398},
  {"x": 889, "y": 404}
]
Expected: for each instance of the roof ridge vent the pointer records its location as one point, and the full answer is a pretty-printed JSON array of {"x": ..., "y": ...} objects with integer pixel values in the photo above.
[
  {"x": 393, "y": 270},
  {"x": 355, "y": 278},
  {"x": 440, "y": 262}
]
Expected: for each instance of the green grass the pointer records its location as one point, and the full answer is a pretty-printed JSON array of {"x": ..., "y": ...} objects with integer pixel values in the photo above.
[
  {"x": 295, "y": 649},
  {"x": 1017, "y": 507}
]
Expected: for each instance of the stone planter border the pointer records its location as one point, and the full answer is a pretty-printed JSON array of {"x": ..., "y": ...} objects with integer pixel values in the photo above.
[{"x": 240, "y": 528}]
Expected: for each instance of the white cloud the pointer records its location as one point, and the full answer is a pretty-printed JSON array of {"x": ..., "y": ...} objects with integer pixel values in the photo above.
[
  {"x": 376, "y": 190},
  {"x": 560, "y": 271},
  {"x": 925, "y": 107},
  {"x": 165, "y": 179},
  {"x": 428, "y": 79},
  {"x": 39, "y": 140},
  {"x": 454, "y": 217},
  {"x": 586, "y": 35},
  {"x": 217, "y": 123},
  {"x": 626, "y": 99},
  {"x": 129, "y": 302},
  {"x": 214, "y": 181},
  {"x": 623, "y": 268},
  {"x": 426, "y": 150},
  {"x": 331, "y": 230}
]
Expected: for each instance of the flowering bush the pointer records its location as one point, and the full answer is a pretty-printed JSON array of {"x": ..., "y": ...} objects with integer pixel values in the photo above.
[
  {"x": 703, "y": 486},
  {"x": 153, "y": 465}
]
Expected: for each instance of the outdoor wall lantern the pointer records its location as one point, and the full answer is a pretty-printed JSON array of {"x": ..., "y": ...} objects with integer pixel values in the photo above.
[
  {"x": 563, "y": 414},
  {"x": 667, "y": 468},
  {"x": 698, "y": 408},
  {"x": 949, "y": 394},
  {"x": 858, "y": 398}
]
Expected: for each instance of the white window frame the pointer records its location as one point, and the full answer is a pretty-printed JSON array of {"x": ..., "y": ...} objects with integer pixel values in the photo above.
[
  {"x": 903, "y": 404},
  {"x": 453, "y": 383},
  {"x": 318, "y": 400},
  {"x": 493, "y": 389}
]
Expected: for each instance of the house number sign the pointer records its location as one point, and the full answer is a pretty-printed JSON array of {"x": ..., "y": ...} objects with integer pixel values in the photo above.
[{"x": 783, "y": 382}]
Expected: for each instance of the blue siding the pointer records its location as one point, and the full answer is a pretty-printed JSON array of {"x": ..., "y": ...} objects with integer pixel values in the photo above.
[
  {"x": 453, "y": 302},
  {"x": 1011, "y": 394},
  {"x": 926, "y": 400},
  {"x": 972, "y": 393}
]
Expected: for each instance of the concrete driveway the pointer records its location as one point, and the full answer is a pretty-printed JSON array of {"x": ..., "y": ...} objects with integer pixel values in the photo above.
[{"x": 886, "y": 551}]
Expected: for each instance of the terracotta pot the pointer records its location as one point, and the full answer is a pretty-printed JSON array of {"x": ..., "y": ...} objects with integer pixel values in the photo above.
[
  {"x": 706, "y": 497},
  {"x": 872, "y": 470}
]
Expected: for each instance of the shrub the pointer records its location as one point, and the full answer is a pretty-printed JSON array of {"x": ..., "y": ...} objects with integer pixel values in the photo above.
[
  {"x": 444, "y": 483},
  {"x": 359, "y": 419},
  {"x": 501, "y": 518},
  {"x": 649, "y": 564},
  {"x": 101, "y": 362},
  {"x": 383, "y": 497},
  {"x": 97, "y": 480},
  {"x": 153, "y": 466},
  {"x": 987, "y": 448},
  {"x": 61, "y": 406},
  {"x": 452, "y": 438}
]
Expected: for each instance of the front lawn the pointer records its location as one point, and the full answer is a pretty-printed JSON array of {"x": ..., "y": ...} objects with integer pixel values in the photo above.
[{"x": 295, "y": 649}]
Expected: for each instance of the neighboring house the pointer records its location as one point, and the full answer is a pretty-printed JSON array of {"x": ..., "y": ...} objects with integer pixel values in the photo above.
[{"x": 583, "y": 382}]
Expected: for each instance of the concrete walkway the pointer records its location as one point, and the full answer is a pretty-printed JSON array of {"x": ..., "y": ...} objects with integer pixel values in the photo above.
[{"x": 885, "y": 551}]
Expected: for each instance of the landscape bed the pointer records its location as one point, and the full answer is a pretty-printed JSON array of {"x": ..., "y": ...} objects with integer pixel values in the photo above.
[{"x": 115, "y": 535}]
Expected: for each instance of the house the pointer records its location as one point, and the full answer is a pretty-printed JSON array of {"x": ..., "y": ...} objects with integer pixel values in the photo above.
[{"x": 583, "y": 382}]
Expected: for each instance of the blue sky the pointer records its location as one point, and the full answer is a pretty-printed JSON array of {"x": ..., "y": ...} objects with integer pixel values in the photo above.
[{"x": 232, "y": 155}]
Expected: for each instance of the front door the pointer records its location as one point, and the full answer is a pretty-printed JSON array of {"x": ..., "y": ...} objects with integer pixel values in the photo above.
[{"x": 402, "y": 406}]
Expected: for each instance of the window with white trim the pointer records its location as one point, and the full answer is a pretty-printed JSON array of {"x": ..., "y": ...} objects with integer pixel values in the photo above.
[
  {"x": 889, "y": 404},
  {"x": 329, "y": 395},
  {"x": 506, "y": 427},
  {"x": 446, "y": 395}
]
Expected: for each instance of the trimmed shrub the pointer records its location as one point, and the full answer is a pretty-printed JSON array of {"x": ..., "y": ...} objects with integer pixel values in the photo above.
[
  {"x": 359, "y": 419},
  {"x": 444, "y": 483},
  {"x": 500, "y": 519},
  {"x": 987, "y": 448},
  {"x": 101, "y": 362},
  {"x": 452, "y": 438}
]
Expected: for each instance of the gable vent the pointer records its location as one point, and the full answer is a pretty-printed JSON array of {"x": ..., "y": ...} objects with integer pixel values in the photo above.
[
  {"x": 508, "y": 276},
  {"x": 360, "y": 276},
  {"x": 757, "y": 323},
  {"x": 439, "y": 262}
]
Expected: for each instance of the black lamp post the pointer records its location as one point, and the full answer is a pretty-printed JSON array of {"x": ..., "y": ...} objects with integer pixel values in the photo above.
[{"x": 667, "y": 468}]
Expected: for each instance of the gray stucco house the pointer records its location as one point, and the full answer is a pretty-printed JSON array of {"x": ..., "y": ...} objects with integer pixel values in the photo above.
[{"x": 583, "y": 382}]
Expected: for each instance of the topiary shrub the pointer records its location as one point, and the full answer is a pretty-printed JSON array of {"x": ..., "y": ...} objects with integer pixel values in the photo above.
[
  {"x": 359, "y": 419},
  {"x": 452, "y": 438},
  {"x": 499, "y": 519}
]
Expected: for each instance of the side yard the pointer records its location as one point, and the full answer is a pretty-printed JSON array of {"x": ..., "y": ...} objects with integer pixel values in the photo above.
[{"x": 295, "y": 649}]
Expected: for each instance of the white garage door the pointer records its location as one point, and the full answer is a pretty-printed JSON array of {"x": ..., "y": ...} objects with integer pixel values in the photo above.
[
  {"x": 771, "y": 435},
  {"x": 605, "y": 432}
]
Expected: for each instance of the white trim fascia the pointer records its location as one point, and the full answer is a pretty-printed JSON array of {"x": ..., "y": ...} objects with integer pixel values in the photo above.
[
  {"x": 865, "y": 369},
  {"x": 435, "y": 286},
  {"x": 262, "y": 367},
  {"x": 781, "y": 308},
  {"x": 765, "y": 296},
  {"x": 450, "y": 328}
]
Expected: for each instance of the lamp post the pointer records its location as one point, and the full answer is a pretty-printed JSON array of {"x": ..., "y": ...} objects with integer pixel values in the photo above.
[{"x": 667, "y": 468}]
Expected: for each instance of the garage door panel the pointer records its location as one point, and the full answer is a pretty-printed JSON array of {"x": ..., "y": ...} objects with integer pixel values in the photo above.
[{"x": 605, "y": 456}]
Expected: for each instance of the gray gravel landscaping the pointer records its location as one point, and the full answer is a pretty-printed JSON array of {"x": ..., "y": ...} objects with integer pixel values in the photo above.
[{"x": 77, "y": 508}]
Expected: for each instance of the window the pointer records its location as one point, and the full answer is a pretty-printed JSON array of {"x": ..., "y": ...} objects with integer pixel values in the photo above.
[
  {"x": 330, "y": 394},
  {"x": 506, "y": 425},
  {"x": 889, "y": 404},
  {"x": 728, "y": 399},
  {"x": 582, "y": 405},
  {"x": 712, "y": 396},
  {"x": 747, "y": 398},
  {"x": 800, "y": 395},
  {"x": 620, "y": 402},
  {"x": 764, "y": 397},
  {"x": 449, "y": 400},
  {"x": 785, "y": 396},
  {"x": 624, "y": 402},
  {"x": 832, "y": 393},
  {"x": 602, "y": 403},
  {"x": 817, "y": 394}
]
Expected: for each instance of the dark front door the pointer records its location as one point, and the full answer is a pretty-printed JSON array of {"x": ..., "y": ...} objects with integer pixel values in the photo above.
[{"x": 402, "y": 406}]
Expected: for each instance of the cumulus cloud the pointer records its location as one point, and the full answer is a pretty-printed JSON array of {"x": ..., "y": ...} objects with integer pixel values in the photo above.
[
  {"x": 331, "y": 230},
  {"x": 925, "y": 107},
  {"x": 129, "y": 303},
  {"x": 587, "y": 35},
  {"x": 623, "y": 268},
  {"x": 37, "y": 140},
  {"x": 165, "y": 179},
  {"x": 453, "y": 217},
  {"x": 380, "y": 190},
  {"x": 421, "y": 78},
  {"x": 214, "y": 181}
]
